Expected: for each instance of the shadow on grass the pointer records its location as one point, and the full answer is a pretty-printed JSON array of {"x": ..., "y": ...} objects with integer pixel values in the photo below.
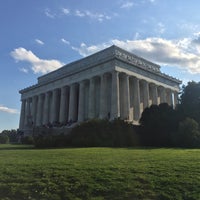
[{"x": 15, "y": 147}]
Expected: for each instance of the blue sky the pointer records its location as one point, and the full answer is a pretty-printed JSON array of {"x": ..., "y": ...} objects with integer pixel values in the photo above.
[{"x": 37, "y": 37}]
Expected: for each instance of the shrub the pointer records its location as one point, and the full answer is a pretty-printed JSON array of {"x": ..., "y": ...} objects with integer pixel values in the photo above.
[
  {"x": 27, "y": 140},
  {"x": 103, "y": 133},
  {"x": 93, "y": 133},
  {"x": 49, "y": 140},
  {"x": 158, "y": 123},
  {"x": 4, "y": 139},
  {"x": 12, "y": 134},
  {"x": 188, "y": 134}
]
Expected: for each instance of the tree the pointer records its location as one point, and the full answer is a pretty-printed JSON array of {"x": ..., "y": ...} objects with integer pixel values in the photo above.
[
  {"x": 4, "y": 139},
  {"x": 158, "y": 123},
  {"x": 190, "y": 101},
  {"x": 12, "y": 134},
  {"x": 188, "y": 134}
]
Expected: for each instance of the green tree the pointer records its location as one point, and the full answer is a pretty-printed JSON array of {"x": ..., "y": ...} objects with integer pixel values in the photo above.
[
  {"x": 190, "y": 101},
  {"x": 158, "y": 123},
  {"x": 12, "y": 134},
  {"x": 4, "y": 139},
  {"x": 188, "y": 134}
]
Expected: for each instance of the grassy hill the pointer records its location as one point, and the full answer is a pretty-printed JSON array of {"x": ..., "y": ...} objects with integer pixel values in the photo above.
[{"x": 98, "y": 173}]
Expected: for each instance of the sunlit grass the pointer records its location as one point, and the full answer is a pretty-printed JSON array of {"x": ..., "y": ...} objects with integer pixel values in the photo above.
[{"x": 98, "y": 173}]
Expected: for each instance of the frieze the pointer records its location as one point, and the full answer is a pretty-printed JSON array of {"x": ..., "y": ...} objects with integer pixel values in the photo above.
[{"x": 137, "y": 61}]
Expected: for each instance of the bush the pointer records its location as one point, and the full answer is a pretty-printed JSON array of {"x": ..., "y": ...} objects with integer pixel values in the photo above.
[
  {"x": 27, "y": 140},
  {"x": 103, "y": 133},
  {"x": 12, "y": 134},
  {"x": 4, "y": 139},
  {"x": 188, "y": 134},
  {"x": 158, "y": 124},
  {"x": 49, "y": 140}
]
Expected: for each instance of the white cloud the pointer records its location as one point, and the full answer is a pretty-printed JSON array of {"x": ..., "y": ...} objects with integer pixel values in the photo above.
[
  {"x": 8, "y": 110},
  {"x": 180, "y": 53},
  {"x": 65, "y": 41},
  {"x": 49, "y": 14},
  {"x": 136, "y": 36},
  {"x": 160, "y": 28},
  {"x": 37, "y": 65},
  {"x": 25, "y": 70},
  {"x": 92, "y": 15},
  {"x": 39, "y": 41},
  {"x": 84, "y": 50},
  {"x": 127, "y": 4},
  {"x": 65, "y": 11},
  {"x": 78, "y": 13},
  {"x": 188, "y": 27}
]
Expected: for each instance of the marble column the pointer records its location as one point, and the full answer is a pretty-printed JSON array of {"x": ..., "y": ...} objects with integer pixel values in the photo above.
[
  {"x": 22, "y": 115},
  {"x": 72, "y": 103},
  {"x": 81, "y": 105},
  {"x": 126, "y": 97},
  {"x": 102, "y": 105},
  {"x": 162, "y": 95},
  {"x": 91, "y": 113},
  {"x": 63, "y": 105},
  {"x": 175, "y": 98},
  {"x": 136, "y": 99},
  {"x": 154, "y": 95},
  {"x": 28, "y": 112},
  {"x": 46, "y": 114},
  {"x": 145, "y": 94},
  {"x": 39, "y": 110},
  {"x": 115, "y": 104},
  {"x": 34, "y": 109},
  {"x": 55, "y": 106},
  {"x": 169, "y": 97}
]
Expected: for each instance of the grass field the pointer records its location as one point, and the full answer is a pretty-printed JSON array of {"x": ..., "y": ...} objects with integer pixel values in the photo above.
[{"x": 98, "y": 173}]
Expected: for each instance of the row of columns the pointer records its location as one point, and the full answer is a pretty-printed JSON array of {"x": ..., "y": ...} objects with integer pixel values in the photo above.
[{"x": 110, "y": 95}]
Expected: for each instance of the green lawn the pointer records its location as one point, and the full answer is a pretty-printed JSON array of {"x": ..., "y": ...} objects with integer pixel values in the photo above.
[{"x": 98, "y": 173}]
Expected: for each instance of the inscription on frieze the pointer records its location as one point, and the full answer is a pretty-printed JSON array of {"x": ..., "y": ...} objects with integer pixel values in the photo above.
[{"x": 137, "y": 61}]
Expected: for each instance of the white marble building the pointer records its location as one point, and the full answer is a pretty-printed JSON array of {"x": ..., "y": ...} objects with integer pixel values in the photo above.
[{"x": 109, "y": 84}]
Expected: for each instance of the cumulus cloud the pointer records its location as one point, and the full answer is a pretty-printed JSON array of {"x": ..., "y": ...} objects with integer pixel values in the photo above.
[
  {"x": 25, "y": 70},
  {"x": 92, "y": 15},
  {"x": 160, "y": 28},
  {"x": 180, "y": 53},
  {"x": 65, "y": 11},
  {"x": 8, "y": 110},
  {"x": 40, "y": 42},
  {"x": 65, "y": 41},
  {"x": 37, "y": 64},
  {"x": 127, "y": 4},
  {"x": 49, "y": 13},
  {"x": 77, "y": 13},
  {"x": 85, "y": 50}
]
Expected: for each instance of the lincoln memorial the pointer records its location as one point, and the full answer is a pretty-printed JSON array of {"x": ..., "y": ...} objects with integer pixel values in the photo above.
[{"x": 112, "y": 83}]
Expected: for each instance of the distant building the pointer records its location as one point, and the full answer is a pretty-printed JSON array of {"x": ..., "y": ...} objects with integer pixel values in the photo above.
[{"x": 110, "y": 84}]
